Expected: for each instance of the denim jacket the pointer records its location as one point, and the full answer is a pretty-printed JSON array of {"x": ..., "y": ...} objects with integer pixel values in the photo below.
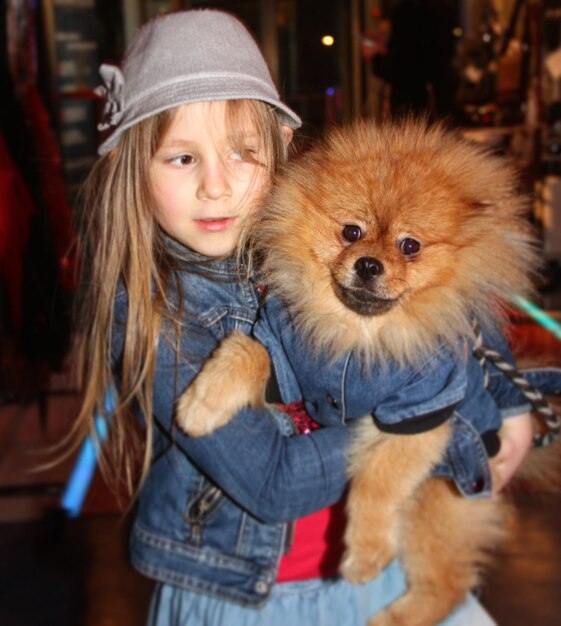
[
  {"x": 404, "y": 399},
  {"x": 212, "y": 514}
]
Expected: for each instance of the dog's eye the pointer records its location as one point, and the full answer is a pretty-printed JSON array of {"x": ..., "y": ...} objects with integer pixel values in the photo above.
[
  {"x": 409, "y": 247},
  {"x": 352, "y": 232}
]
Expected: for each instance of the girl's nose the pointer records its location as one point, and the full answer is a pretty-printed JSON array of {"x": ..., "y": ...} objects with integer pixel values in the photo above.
[{"x": 214, "y": 183}]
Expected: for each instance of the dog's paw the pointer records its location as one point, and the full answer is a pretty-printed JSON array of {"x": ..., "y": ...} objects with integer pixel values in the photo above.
[
  {"x": 356, "y": 571},
  {"x": 360, "y": 566},
  {"x": 199, "y": 413},
  {"x": 234, "y": 377}
]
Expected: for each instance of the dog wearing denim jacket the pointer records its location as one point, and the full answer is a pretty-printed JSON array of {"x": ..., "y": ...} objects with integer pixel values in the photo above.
[{"x": 385, "y": 242}]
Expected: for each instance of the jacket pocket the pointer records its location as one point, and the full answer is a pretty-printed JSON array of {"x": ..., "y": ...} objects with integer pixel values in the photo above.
[{"x": 200, "y": 510}]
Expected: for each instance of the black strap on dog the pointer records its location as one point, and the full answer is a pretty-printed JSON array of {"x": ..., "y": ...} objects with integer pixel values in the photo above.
[
  {"x": 550, "y": 419},
  {"x": 418, "y": 424}
]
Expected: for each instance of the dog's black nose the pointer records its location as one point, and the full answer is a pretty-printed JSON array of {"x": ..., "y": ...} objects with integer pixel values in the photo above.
[{"x": 368, "y": 268}]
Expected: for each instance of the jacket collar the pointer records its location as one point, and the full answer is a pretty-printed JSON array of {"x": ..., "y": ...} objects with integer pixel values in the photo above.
[{"x": 187, "y": 257}]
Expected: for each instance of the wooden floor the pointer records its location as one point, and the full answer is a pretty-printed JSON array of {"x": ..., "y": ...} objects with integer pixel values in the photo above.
[{"x": 61, "y": 572}]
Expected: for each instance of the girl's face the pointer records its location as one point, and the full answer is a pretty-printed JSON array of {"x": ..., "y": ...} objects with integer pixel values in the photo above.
[{"x": 202, "y": 185}]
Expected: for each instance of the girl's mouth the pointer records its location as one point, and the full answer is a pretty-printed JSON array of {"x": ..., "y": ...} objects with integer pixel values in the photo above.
[{"x": 215, "y": 225}]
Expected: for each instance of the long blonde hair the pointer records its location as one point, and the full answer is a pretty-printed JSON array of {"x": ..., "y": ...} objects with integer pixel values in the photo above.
[{"x": 120, "y": 244}]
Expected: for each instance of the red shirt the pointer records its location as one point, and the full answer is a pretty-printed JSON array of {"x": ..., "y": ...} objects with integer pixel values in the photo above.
[
  {"x": 317, "y": 539},
  {"x": 317, "y": 547}
]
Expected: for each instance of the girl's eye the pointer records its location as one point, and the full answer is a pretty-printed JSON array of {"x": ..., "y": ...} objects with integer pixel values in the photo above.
[
  {"x": 409, "y": 247},
  {"x": 183, "y": 160},
  {"x": 352, "y": 232}
]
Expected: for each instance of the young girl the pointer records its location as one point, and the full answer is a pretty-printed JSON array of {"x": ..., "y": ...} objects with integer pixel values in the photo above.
[{"x": 196, "y": 130}]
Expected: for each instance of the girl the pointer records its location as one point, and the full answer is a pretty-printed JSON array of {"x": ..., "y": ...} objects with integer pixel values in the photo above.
[{"x": 196, "y": 130}]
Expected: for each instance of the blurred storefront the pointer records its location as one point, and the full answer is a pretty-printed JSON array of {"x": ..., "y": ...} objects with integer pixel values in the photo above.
[
  {"x": 499, "y": 63},
  {"x": 498, "y": 55}
]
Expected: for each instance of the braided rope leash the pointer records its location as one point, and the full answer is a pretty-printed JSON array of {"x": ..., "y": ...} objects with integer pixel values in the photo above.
[{"x": 550, "y": 419}]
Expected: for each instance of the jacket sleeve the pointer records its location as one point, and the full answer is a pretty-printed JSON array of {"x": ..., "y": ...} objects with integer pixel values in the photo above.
[{"x": 274, "y": 477}]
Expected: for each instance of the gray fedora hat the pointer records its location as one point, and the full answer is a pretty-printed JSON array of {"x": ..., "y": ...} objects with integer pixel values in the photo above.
[{"x": 183, "y": 57}]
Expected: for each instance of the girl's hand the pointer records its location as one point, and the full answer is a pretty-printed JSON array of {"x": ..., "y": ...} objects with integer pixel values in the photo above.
[{"x": 516, "y": 440}]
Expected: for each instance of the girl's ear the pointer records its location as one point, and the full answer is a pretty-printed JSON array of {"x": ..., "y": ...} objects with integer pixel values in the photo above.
[{"x": 287, "y": 134}]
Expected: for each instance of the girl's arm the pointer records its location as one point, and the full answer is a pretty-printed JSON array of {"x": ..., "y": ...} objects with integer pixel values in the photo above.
[{"x": 274, "y": 477}]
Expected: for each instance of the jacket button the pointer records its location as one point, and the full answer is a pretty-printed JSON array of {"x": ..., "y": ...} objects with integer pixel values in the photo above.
[
  {"x": 478, "y": 485},
  {"x": 261, "y": 587},
  {"x": 332, "y": 402}
]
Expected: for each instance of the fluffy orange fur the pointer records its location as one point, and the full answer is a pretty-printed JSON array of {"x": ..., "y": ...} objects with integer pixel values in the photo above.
[
  {"x": 395, "y": 183},
  {"x": 397, "y": 180}
]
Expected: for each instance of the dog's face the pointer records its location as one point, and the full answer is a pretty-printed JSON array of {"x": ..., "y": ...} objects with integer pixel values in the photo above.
[
  {"x": 380, "y": 231},
  {"x": 389, "y": 247},
  {"x": 371, "y": 279},
  {"x": 398, "y": 231}
]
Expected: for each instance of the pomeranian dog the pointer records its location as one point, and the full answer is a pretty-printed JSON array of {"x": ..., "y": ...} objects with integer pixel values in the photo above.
[{"x": 385, "y": 241}]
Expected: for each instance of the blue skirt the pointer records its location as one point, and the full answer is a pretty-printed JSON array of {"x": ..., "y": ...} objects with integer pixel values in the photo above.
[{"x": 308, "y": 603}]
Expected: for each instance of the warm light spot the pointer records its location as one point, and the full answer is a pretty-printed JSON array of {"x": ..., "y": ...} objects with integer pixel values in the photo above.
[
  {"x": 457, "y": 32},
  {"x": 327, "y": 40}
]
